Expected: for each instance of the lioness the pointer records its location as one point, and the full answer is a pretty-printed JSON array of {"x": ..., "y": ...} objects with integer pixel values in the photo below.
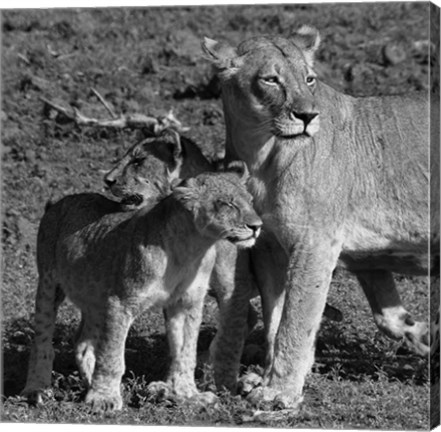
[
  {"x": 113, "y": 265},
  {"x": 337, "y": 180}
]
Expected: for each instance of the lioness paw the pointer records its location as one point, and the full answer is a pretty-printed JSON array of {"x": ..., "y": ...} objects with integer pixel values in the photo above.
[
  {"x": 417, "y": 337},
  {"x": 101, "y": 403},
  {"x": 269, "y": 399}
]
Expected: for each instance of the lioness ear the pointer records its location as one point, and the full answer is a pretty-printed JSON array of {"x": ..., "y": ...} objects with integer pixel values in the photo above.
[
  {"x": 240, "y": 168},
  {"x": 220, "y": 54},
  {"x": 308, "y": 39}
]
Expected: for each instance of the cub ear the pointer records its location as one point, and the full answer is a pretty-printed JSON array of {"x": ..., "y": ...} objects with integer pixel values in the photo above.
[
  {"x": 221, "y": 54},
  {"x": 174, "y": 147},
  {"x": 308, "y": 39},
  {"x": 240, "y": 168},
  {"x": 187, "y": 193},
  {"x": 175, "y": 182}
]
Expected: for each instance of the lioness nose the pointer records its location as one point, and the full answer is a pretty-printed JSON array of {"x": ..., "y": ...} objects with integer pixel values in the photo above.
[
  {"x": 305, "y": 117},
  {"x": 255, "y": 224}
]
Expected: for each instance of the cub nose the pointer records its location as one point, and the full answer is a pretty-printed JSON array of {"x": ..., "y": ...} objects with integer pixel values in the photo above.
[
  {"x": 109, "y": 180},
  {"x": 306, "y": 117}
]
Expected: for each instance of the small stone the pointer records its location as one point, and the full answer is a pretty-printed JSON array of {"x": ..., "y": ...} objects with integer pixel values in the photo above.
[
  {"x": 25, "y": 231},
  {"x": 30, "y": 156},
  {"x": 394, "y": 53},
  {"x": 150, "y": 66}
]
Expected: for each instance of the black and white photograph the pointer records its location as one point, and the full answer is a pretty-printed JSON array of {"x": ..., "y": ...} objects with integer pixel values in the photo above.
[{"x": 221, "y": 215}]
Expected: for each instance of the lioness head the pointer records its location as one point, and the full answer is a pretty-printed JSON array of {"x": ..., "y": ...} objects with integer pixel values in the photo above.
[
  {"x": 221, "y": 205},
  {"x": 147, "y": 170},
  {"x": 270, "y": 81}
]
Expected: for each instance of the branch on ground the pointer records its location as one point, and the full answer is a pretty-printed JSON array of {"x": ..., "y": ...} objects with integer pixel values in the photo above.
[{"x": 130, "y": 121}]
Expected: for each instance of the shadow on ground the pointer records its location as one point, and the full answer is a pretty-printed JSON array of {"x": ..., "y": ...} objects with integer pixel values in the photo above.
[{"x": 338, "y": 355}]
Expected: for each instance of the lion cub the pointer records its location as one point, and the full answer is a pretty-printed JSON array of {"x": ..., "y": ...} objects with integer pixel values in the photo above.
[{"x": 114, "y": 265}]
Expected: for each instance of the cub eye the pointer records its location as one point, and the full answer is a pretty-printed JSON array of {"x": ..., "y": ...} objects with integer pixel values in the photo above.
[
  {"x": 137, "y": 161},
  {"x": 224, "y": 205},
  {"x": 271, "y": 80},
  {"x": 310, "y": 80}
]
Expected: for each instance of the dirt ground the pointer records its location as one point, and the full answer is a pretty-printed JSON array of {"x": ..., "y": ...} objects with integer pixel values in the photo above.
[{"x": 148, "y": 60}]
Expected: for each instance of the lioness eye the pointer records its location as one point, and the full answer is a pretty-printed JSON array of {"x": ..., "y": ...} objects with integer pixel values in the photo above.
[
  {"x": 310, "y": 79},
  {"x": 271, "y": 80}
]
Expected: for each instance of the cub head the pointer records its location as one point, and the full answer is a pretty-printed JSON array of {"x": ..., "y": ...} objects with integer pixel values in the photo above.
[
  {"x": 269, "y": 81},
  {"x": 147, "y": 170},
  {"x": 221, "y": 206}
]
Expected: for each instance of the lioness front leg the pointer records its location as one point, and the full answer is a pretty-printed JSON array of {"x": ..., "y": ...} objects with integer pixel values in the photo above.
[
  {"x": 389, "y": 313},
  {"x": 309, "y": 274},
  {"x": 105, "y": 391}
]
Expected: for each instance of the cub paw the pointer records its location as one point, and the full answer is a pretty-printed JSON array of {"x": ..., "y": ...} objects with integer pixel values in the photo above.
[
  {"x": 37, "y": 396},
  {"x": 203, "y": 398},
  {"x": 160, "y": 391},
  {"x": 101, "y": 403},
  {"x": 248, "y": 382}
]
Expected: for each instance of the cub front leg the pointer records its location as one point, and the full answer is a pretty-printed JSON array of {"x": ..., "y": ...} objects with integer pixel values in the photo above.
[
  {"x": 269, "y": 263},
  {"x": 222, "y": 284},
  {"x": 48, "y": 299},
  {"x": 105, "y": 391},
  {"x": 85, "y": 345},
  {"x": 182, "y": 325},
  {"x": 226, "y": 349},
  {"x": 308, "y": 277},
  {"x": 183, "y": 319}
]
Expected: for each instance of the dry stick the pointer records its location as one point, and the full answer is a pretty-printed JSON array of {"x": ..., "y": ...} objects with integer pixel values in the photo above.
[
  {"x": 24, "y": 58},
  {"x": 131, "y": 121},
  {"x": 106, "y": 105}
]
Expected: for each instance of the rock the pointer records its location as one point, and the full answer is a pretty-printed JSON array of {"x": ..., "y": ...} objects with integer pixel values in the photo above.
[
  {"x": 149, "y": 66},
  {"x": 147, "y": 93},
  {"x": 17, "y": 230},
  {"x": 29, "y": 156},
  {"x": 361, "y": 76},
  {"x": 394, "y": 53},
  {"x": 25, "y": 231}
]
